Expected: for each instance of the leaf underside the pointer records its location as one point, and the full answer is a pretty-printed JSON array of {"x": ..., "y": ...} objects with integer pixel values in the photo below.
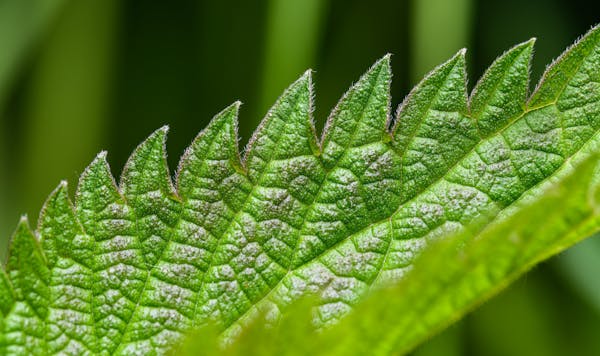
[{"x": 129, "y": 268}]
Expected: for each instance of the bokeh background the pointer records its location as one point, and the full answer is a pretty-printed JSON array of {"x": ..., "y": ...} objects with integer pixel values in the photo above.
[{"x": 80, "y": 76}]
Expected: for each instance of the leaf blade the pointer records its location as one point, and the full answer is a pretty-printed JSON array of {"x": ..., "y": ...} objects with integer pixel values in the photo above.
[
  {"x": 239, "y": 240},
  {"x": 69, "y": 252},
  {"x": 24, "y": 328},
  {"x": 501, "y": 93},
  {"x": 119, "y": 265}
]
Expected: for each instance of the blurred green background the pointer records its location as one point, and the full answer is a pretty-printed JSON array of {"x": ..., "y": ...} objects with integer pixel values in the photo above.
[{"x": 77, "y": 77}]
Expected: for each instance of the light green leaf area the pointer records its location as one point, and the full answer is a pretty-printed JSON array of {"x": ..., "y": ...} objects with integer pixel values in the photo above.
[
  {"x": 459, "y": 273},
  {"x": 448, "y": 279},
  {"x": 130, "y": 268}
]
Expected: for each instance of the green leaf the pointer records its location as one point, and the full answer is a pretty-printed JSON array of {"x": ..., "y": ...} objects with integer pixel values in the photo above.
[
  {"x": 450, "y": 278},
  {"x": 460, "y": 272},
  {"x": 24, "y": 324},
  {"x": 7, "y": 297},
  {"x": 7, "y": 300},
  {"x": 499, "y": 96},
  {"x": 132, "y": 268},
  {"x": 118, "y": 262},
  {"x": 69, "y": 252}
]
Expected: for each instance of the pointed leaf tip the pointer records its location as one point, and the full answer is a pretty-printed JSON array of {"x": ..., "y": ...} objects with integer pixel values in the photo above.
[
  {"x": 61, "y": 189},
  {"x": 500, "y": 95},
  {"x": 22, "y": 226},
  {"x": 23, "y": 221},
  {"x": 158, "y": 135},
  {"x": 229, "y": 115},
  {"x": 100, "y": 159},
  {"x": 60, "y": 193},
  {"x": 410, "y": 111},
  {"x": 27, "y": 269},
  {"x": 287, "y": 129},
  {"x": 63, "y": 186},
  {"x": 222, "y": 132},
  {"x": 146, "y": 184},
  {"x": 152, "y": 149},
  {"x": 96, "y": 176},
  {"x": 564, "y": 68},
  {"x": 305, "y": 80},
  {"x": 234, "y": 109},
  {"x": 384, "y": 61},
  {"x": 459, "y": 57},
  {"x": 98, "y": 162},
  {"x": 361, "y": 115},
  {"x": 525, "y": 45},
  {"x": 442, "y": 69},
  {"x": 22, "y": 235}
]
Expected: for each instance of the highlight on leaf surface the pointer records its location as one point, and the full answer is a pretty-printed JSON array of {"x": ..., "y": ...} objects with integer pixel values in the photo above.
[
  {"x": 131, "y": 268},
  {"x": 451, "y": 277}
]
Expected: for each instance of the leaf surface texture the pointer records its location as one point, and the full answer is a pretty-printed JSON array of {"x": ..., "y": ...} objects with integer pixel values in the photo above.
[{"x": 130, "y": 268}]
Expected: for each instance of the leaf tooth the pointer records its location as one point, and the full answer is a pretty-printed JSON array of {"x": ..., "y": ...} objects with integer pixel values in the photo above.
[
  {"x": 564, "y": 68},
  {"x": 119, "y": 265},
  {"x": 96, "y": 176},
  {"x": 218, "y": 141},
  {"x": 147, "y": 169},
  {"x": 284, "y": 172},
  {"x": 70, "y": 254},
  {"x": 362, "y": 114},
  {"x": 444, "y": 89},
  {"x": 500, "y": 94},
  {"x": 156, "y": 210},
  {"x": 147, "y": 186},
  {"x": 27, "y": 269},
  {"x": 99, "y": 161},
  {"x": 286, "y": 131},
  {"x": 22, "y": 238},
  {"x": 213, "y": 188},
  {"x": 61, "y": 234},
  {"x": 433, "y": 130}
]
